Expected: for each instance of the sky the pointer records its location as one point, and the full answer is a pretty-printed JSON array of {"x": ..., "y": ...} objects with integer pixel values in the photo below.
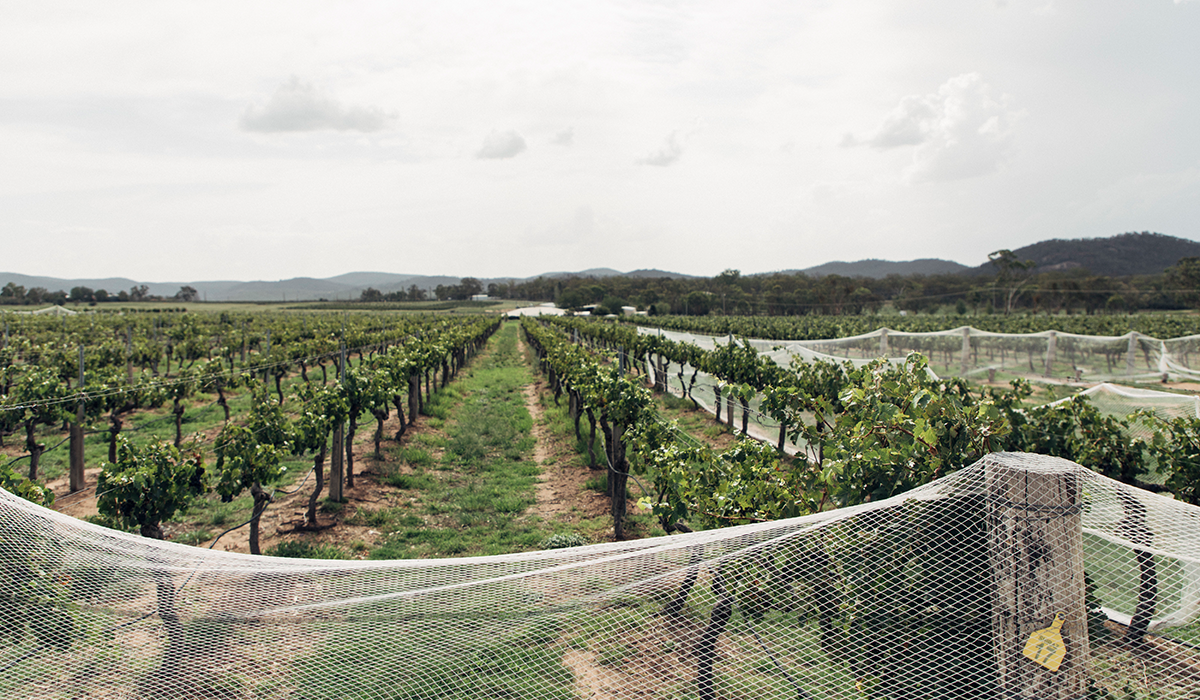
[{"x": 214, "y": 140}]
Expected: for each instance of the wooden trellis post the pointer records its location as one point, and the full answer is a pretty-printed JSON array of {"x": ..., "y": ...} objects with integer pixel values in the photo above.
[
  {"x": 1035, "y": 545},
  {"x": 966, "y": 349},
  {"x": 75, "y": 471}
]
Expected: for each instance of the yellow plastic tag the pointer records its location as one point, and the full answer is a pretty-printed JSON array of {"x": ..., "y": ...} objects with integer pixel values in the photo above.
[{"x": 1046, "y": 647}]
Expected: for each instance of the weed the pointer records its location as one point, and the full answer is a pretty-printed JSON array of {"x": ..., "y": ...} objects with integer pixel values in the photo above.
[
  {"x": 598, "y": 483},
  {"x": 414, "y": 456},
  {"x": 193, "y": 537},
  {"x": 371, "y": 518},
  {"x": 562, "y": 540},
  {"x": 407, "y": 481},
  {"x": 300, "y": 549},
  {"x": 677, "y": 403}
]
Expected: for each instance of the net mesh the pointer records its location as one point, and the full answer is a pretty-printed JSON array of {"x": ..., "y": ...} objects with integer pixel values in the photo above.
[
  {"x": 970, "y": 352},
  {"x": 948, "y": 591},
  {"x": 999, "y": 350}
]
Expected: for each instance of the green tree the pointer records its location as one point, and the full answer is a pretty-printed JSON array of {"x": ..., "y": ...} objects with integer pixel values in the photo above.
[
  {"x": 1183, "y": 279},
  {"x": 364, "y": 389},
  {"x": 1012, "y": 273},
  {"x": 697, "y": 303},
  {"x": 321, "y": 408},
  {"x": 12, "y": 293},
  {"x": 187, "y": 293},
  {"x": 469, "y": 287},
  {"x": 40, "y": 394},
  {"x": 142, "y": 488},
  {"x": 249, "y": 455},
  {"x": 571, "y": 299},
  {"x": 177, "y": 390},
  {"x": 29, "y": 490},
  {"x": 610, "y": 305},
  {"x": 148, "y": 485}
]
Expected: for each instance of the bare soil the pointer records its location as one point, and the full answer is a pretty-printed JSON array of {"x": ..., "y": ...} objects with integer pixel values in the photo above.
[{"x": 561, "y": 495}]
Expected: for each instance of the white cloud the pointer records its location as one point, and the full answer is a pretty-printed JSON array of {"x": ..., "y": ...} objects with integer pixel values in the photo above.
[
  {"x": 298, "y": 106},
  {"x": 669, "y": 153},
  {"x": 501, "y": 144},
  {"x": 963, "y": 130},
  {"x": 566, "y": 137},
  {"x": 911, "y": 123}
]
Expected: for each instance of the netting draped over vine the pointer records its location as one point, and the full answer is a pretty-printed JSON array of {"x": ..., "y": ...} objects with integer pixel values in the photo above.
[
  {"x": 1117, "y": 400},
  {"x": 970, "y": 352},
  {"x": 1110, "y": 399},
  {"x": 937, "y": 593}
]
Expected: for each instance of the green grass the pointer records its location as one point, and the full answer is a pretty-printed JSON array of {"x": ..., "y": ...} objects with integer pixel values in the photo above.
[
  {"x": 301, "y": 549},
  {"x": 471, "y": 483},
  {"x": 559, "y": 423},
  {"x": 490, "y": 657}
]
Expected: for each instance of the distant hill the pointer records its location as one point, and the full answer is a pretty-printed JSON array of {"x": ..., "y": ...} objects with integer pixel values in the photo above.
[
  {"x": 391, "y": 282},
  {"x": 54, "y": 284},
  {"x": 1125, "y": 254},
  {"x": 591, "y": 272},
  {"x": 346, "y": 286},
  {"x": 878, "y": 269},
  {"x": 655, "y": 274},
  {"x": 1142, "y": 253}
]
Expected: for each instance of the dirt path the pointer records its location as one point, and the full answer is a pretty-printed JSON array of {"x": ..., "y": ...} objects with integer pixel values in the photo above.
[{"x": 561, "y": 494}]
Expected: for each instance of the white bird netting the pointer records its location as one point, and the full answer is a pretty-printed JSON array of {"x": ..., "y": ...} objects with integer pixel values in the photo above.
[
  {"x": 938, "y": 593},
  {"x": 970, "y": 352},
  {"x": 1060, "y": 352}
]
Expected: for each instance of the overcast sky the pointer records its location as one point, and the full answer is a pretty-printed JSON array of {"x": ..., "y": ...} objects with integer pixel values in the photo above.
[{"x": 178, "y": 141}]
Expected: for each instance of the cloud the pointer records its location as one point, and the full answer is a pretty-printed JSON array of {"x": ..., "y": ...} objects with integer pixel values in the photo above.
[
  {"x": 298, "y": 106},
  {"x": 501, "y": 144},
  {"x": 566, "y": 137},
  {"x": 667, "y": 155},
  {"x": 960, "y": 131}
]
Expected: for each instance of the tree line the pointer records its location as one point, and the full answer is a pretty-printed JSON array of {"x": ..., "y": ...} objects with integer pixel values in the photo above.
[
  {"x": 1010, "y": 285},
  {"x": 14, "y": 294}
]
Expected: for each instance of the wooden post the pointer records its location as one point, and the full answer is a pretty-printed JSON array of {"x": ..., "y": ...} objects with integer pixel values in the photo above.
[
  {"x": 617, "y": 478},
  {"x": 1036, "y": 554},
  {"x": 128, "y": 355},
  {"x": 965, "y": 361},
  {"x": 1050, "y": 353},
  {"x": 414, "y": 398},
  {"x": 337, "y": 464},
  {"x": 75, "y": 469}
]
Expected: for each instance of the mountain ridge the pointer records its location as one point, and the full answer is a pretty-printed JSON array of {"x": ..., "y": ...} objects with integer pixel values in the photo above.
[{"x": 1120, "y": 255}]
